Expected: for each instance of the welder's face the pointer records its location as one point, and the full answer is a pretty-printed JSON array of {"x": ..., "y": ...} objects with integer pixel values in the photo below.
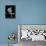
[{"x": 9, "y": 10}]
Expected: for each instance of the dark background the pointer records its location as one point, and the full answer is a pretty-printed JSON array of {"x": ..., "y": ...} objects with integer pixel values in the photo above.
[{"x": 7, "y": 15}]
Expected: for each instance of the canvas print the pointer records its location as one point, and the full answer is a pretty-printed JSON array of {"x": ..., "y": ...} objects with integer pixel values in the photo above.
[
  {"x": 10, "y": 11},
  {"x": 33, "y": 32}
]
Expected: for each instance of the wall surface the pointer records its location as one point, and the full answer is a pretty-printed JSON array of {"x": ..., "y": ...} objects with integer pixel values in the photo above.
[{"x": 27, "y": 12}]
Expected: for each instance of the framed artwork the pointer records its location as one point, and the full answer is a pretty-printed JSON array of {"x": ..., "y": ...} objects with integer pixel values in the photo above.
[
  {"x": 32, "y": 32},
  {"x": 10, "y": 11}
]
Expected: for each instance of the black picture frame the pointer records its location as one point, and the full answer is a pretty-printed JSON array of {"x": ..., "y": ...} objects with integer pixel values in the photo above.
[{"x": 10, "y": 11}]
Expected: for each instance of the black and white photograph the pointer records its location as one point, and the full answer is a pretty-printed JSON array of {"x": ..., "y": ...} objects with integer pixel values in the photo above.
[
  {"x": 31, "y": 34},
  {"x": 10, "y": 11}
]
